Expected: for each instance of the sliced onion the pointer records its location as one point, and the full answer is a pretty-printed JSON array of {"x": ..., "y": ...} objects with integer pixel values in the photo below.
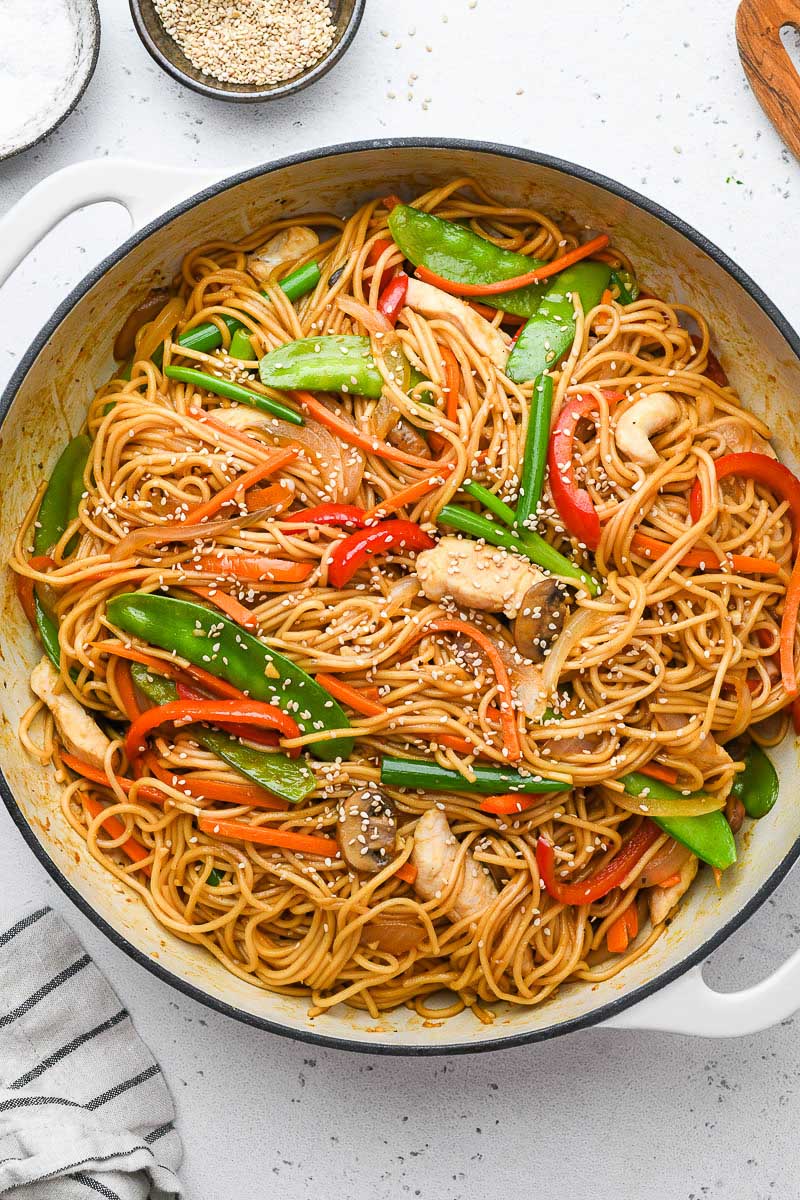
[
  {"x": 669, "y": 861},
  {"x": 394, "y": 933},
  {"x": 527, "y": 680},
  {"x": 384, "y": 417},
  {"x": 157, "y": 330},
  {"x": 154, "y": 535},
  {"x": 401, "y": 593},
  {"x": 372, "y": 320},
  {"x": 580, "y": 625},
  {"x": 683, "y": 806}
]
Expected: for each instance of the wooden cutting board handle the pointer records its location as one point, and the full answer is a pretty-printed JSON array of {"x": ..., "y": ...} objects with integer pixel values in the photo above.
[{"x": 767, "y": 64}]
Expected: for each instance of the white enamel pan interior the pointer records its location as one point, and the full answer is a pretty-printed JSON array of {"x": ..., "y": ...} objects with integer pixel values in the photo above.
[{"x": 46, "y": 402}]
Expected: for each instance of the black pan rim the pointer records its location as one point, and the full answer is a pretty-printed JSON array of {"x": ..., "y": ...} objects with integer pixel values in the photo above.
[{"x": 587, "y": 1020}]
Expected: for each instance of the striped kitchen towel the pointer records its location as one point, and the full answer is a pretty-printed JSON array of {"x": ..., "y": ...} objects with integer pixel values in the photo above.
[{"x": 84, "y": 1108}]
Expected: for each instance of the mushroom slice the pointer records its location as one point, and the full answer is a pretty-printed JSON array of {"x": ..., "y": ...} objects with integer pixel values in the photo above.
[
  {"x": 367, "y": 830},
  {"x": 481, "y": 577},
  {"x": 540, "y": 619},
  {"x": 286, "y": 246},
  {"x": 661, "y": 900},
  {"x": 648, "y": 416},
  {"x": 79, "y": 733},
  {"x": 434, "y": 856}
]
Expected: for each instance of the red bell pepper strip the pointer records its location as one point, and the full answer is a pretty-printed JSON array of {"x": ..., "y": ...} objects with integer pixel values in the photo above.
[
  {"x": 393, "y": 297},
  {"x": 544, "y": 271},
  {"x": 353, "y": 551},
  {"x": 762, "y": 469},
  {"x": 261, "y": 737},
  {"x": 791, "y": 607},
  {"x": 574, "y": 503},
  {"x": 329, "y": 514},
  {"x": 586, "y": 891},
  {"x": 244, "y": 712}
]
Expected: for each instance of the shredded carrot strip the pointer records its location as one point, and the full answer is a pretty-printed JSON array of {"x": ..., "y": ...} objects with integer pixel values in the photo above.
[
  {"x": 655, "y": 771},
  {"x": 409, "y": 495},
  {"x": 235, "y": 435},
  {"x": 301, "y": 843},
  {"x": 507, "y": 805},
  {"x": 348, "y": 433},
  {"x": 617, "y": 936},
  {"x": 652, "y": 548},
  {"x": 274, "y": 460},
  {"x": 491, "y": 313},
  {"x": 359, "y": 701},
  {"x": 632, "y": 920},
  {"x": 253, "y": 568},
  {"x": 113, "y": 826},
  {"x": 508, "y": 721},
  {"x": 127, "y": 691},
  {"x": 518, "y": 281},
  {"x": 670, "y": 881},
  {"x": 95, "y": 775},
  {"x": 162, "y": 666},
  {"x": 408, "y": 872},
  {"x": 453, "y": 742},
  {"x": 452, "y": 381},
  {"x": 226, "y": 604},
  {"x": 280, "y": 495},
  {"x": 215, "y": 789}
]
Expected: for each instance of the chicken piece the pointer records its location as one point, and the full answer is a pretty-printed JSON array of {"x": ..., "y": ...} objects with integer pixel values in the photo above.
[
  {"x": 481, "y": 577},
  {"x": 434, "y": 856},
  {"x": 79, "y": 733},
  {"x": 286, "y": 246},
  {"x": 740, "y": 437},
  {"x": 661, "y": 900},
  {"x": 431, "y": 302},
  {"x": 646, "y": 417}
]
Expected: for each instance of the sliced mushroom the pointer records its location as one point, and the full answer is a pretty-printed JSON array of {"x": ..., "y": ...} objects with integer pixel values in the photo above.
[
  {"x": 145, "y": 310},
  {"x": 661, "y": 900},
  {"x": 394, "y": 933},
  {"x": 648, "y": 416},
  {"x": 434, "y": 856},
  {"x": 286, "y": 246},
  {"x": 540, "y": 619},
  {"x": 367, "y": 830},
  {"x": 79, "y": 733},
  {"x": 431, "y": 302},
  {"x": 475, "y": 576},
  {"x": 405, "y": 437}
]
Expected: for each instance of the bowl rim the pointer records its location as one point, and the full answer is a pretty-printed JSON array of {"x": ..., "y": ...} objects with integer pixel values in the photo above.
[
  {"x": 93, "y": 11},
  {"x": 278, "y": 92},
  {"x": 311, "y": 1036}
]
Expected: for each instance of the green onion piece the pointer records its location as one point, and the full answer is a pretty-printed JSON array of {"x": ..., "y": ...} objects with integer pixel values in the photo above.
[
  {"x": 532, "y": 546},
  {"x": 234, "y": 391},
  {"x": 214, "y": 878},
  {"x": 301, "y": 281},
  {"x": 491, "y": 502},
  {"x": 537, "y": 441},
  {"x": 429, "y": 776},
  {"x": 241, "y": 346}
]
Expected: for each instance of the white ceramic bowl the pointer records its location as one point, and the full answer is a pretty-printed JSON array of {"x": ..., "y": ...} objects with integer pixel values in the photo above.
[{"x": 72, "y": 356}]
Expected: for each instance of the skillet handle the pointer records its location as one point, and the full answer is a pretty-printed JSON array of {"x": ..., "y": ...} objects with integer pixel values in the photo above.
[
  {"x": 767, "y": 64},
  {"x": 144, "y": 189},
  {"x": 690, "y": 1006}
]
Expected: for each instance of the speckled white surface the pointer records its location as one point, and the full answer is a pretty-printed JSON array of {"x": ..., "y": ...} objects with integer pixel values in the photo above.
[{"x": 658, "y": 101}]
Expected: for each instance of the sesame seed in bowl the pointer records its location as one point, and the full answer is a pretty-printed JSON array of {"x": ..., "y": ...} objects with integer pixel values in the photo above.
[{"x": 246, "y": 50}]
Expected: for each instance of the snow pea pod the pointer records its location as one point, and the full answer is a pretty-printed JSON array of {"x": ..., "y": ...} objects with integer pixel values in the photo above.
[
  {"x": 336, "y": 363},
  {"x": 218, "y": 645},
  {"x": 455, "y": 252},
  {"x": 550, "y": 332},
  {"x": 757, "y": 785},
  {"x": 284, "y": 777},
  {"x": 708, "y": 836}
]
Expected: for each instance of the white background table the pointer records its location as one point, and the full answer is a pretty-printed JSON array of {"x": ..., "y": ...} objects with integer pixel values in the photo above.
[{"x": 659, "y": 102}]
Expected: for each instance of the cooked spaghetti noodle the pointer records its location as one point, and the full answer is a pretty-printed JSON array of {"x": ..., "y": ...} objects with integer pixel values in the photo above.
[{"x": 673, "y": 655}]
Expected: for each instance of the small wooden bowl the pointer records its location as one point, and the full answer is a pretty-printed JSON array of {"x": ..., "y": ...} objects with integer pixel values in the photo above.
[{"x": 345, "y": 14}]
